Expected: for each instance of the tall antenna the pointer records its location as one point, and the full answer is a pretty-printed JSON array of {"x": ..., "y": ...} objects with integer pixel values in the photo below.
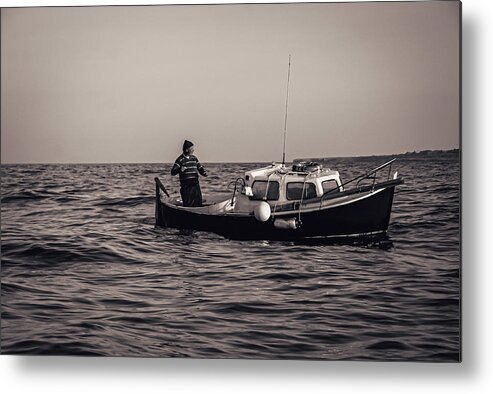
[{"x": 286, "y": 114}]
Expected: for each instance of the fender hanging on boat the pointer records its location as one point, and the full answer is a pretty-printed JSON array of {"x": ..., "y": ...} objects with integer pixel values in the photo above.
[
  {"x": 262, "y": 212},
  {"x": 286, "y": 224}
]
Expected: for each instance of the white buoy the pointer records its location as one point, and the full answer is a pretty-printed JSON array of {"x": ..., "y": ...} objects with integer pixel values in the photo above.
[{"x": 262, "y": 211}]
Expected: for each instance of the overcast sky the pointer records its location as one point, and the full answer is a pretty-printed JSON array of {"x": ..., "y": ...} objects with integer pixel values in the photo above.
[{"x": 129, "y": 84}]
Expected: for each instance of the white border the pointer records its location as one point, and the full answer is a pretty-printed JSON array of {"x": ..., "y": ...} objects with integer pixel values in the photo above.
[{"x": 92, "y": 375}]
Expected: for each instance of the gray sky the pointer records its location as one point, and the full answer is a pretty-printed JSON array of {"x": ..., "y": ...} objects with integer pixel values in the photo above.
[{"x": 129, "y": 84}]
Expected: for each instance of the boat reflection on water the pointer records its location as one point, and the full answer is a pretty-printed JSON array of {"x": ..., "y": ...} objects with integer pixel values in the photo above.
[{"x": 377, "y": 241}]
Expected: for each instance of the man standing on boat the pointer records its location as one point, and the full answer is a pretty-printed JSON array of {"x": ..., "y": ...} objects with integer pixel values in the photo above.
[{"x": 189, "y": 167}]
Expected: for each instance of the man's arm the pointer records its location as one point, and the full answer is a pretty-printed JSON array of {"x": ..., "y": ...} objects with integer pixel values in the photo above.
[
  {"x": 201, "y": 169},
  {"x": 176, "y": 167}
]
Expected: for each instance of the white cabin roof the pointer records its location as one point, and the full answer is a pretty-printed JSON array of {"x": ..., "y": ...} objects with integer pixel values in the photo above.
[{"x": 278, "y": 171}]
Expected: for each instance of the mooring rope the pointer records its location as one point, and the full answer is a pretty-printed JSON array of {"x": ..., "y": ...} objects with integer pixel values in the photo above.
[{"x": 301, "y": 200}]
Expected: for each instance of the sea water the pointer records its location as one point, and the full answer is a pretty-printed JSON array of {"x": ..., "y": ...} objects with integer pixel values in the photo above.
[{"x": 85, "y": 272}]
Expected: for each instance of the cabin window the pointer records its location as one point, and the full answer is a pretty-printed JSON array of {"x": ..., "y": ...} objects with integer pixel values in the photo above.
[
  {"x": 330, "y": 186},
  {"x": 294, "y": 190},
  {"x": 260, "y": 192}
]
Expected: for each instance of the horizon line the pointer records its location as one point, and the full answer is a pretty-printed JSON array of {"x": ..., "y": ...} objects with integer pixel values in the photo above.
[{"x": 237, "y": 162}]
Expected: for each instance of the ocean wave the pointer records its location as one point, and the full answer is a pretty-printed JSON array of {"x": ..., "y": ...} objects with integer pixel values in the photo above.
[{"x": 124, "y": 201}]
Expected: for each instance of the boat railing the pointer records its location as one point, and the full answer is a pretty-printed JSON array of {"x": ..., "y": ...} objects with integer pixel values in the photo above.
[
  {"x": 368, "y": 175},
  {"x": 373, "y": 173},
  {"x": 238, "y": 181}
]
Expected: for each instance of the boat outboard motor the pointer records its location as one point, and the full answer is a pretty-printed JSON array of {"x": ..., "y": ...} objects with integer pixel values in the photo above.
[{"x": 262, "y": 212}]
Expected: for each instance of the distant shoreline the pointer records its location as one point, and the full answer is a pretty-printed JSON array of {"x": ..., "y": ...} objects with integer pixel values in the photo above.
[{"x": 414, "y": 154}]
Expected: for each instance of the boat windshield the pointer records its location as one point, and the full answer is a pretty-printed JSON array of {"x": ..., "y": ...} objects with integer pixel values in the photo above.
[
  {"x": 294, "y": 190},
  {"x": 260, "y": 192},
  {"x": 330, "y": 186}
]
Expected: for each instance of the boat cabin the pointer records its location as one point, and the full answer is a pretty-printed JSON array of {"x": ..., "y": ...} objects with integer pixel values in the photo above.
[{"x": 277, "y": 183}]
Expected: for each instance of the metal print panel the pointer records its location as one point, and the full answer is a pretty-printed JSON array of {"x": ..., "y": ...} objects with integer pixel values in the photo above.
[{"x": 270, "y": 181}]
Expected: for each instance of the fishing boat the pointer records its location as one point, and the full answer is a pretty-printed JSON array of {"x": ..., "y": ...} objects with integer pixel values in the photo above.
[{"x": 282, "y": 202}]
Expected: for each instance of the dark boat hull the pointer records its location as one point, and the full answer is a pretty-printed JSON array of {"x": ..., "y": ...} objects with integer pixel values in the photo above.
[{"x": 368, "y": 214}]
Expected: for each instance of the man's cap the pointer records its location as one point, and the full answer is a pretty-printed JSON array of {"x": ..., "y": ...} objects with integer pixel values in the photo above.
[{"x": 187, "y": 144}]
